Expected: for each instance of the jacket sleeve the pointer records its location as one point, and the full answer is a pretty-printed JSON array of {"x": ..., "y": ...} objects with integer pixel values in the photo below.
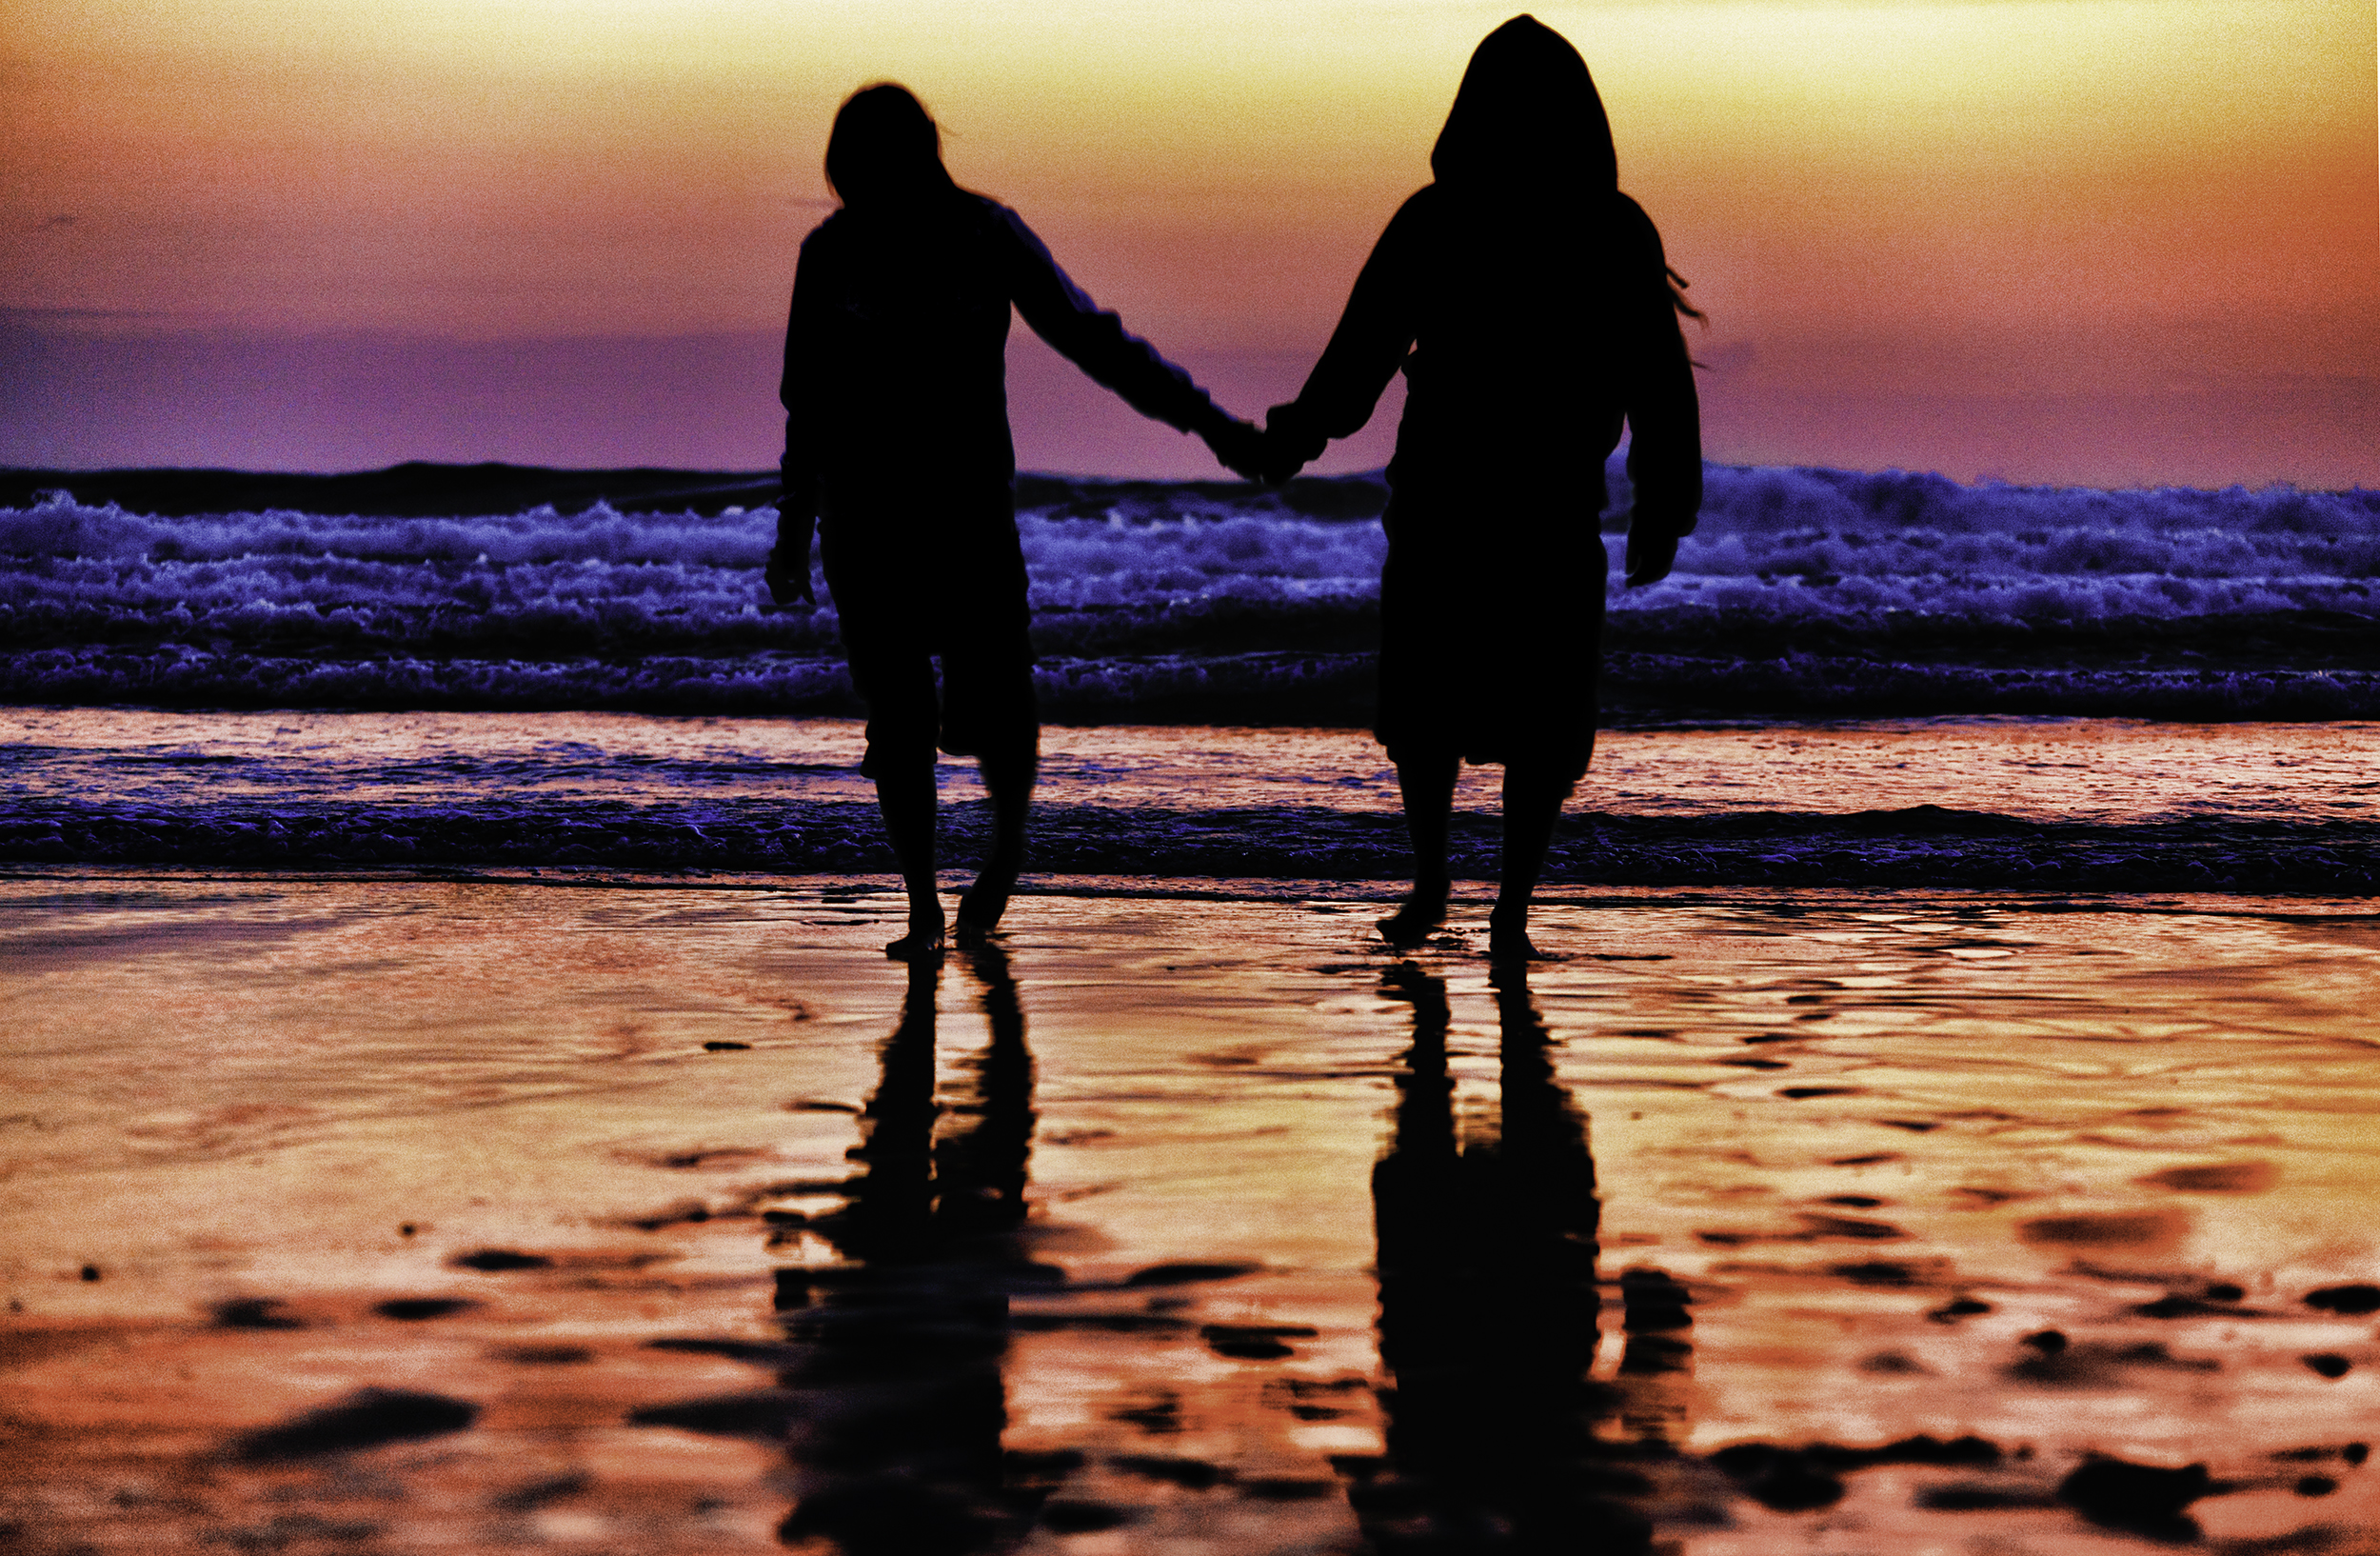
[
  {"x": 1665, "y": 413},
  {"x": 1365, "y": 351},
  {"x": 804, "y": 376},
  {"x": 1093, "y": 338}
]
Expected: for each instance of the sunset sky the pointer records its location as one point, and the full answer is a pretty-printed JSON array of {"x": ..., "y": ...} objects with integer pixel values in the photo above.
[{"x": 2106, "y": 241}]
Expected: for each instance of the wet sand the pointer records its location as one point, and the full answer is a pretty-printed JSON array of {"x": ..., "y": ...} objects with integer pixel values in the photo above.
[{"x": 390, "y": 1215}]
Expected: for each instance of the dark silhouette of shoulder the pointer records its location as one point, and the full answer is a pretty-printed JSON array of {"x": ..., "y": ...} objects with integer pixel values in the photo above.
[{"x": 897, "y": 331}]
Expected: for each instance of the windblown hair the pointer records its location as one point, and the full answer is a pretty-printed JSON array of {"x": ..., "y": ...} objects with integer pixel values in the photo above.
[{"x": 885, "y": 146}]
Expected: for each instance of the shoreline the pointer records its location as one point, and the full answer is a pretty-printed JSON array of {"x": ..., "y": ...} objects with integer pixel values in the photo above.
[
  {"x": 1469, "y": 895},
  {"x": 1999, "y": 805}
]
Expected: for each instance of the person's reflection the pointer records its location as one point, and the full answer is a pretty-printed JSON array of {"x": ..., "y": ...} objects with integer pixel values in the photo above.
[
  {"x": 899, "y": 1451},
  {"x": 1489, "y": 1307}
]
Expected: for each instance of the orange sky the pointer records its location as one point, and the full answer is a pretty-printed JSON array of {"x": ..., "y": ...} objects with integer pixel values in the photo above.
[{"x": 1881, "y": 203}]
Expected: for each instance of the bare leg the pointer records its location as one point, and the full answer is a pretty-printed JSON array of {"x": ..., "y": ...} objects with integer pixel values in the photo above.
[
  {"x": 1428, "y": 786},
  {"x": 1010, "y": 781},
  {"x": 1532, "y": 802},
  {"x": 905, "y": 795}
]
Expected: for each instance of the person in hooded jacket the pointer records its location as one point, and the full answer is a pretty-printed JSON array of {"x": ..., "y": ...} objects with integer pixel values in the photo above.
[
  {"x": 897, "y": 448},
  {"x": 1533, "y": 313}
]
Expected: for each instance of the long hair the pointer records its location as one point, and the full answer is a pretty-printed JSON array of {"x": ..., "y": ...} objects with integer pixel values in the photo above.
[
  {"x": 1528, "y": 129},
  {"x": 884, "y": 147}
]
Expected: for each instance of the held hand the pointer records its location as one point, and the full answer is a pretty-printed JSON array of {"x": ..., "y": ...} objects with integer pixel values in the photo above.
[
  {"x": 1237, "y": 445},
  {"x": 1650, "y": 558},
  {"x": 787, "y": 581},
  {"x": 1280, "y": 460},
  {"x": 1286, "y": 452}
]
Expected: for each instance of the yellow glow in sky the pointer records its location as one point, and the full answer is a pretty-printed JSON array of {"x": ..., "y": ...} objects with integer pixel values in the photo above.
[{"x": 1986, "y": 174}]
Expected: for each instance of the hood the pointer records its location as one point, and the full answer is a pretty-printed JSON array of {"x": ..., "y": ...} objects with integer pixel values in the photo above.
[{"x": 1527, "y": 115}]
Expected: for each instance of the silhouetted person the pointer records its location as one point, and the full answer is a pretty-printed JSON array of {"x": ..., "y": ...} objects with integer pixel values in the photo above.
[
  {"x": 1529, "y": 304},
  {"x": 897, "y": 445},
  {"x": 898, "y": 1452},
  {"x": 1489, "y": 1310}
]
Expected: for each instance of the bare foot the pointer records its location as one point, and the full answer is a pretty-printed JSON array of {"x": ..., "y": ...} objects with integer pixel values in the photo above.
[
  {"x": 980, "y": 909},
  {"x": 1508, "y": 938},
  {"x": 924, "y": 940},
  {"x": 1423, "y": 909}
]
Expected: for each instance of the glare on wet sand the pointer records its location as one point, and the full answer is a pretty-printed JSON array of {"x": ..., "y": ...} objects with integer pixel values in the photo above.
[{"x": 672, "y": 1217}]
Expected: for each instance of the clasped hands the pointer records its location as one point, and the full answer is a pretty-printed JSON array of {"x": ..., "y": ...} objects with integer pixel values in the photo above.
[
  {"x": 1274, "y": 452},
  {"x": 1269, "y": 453}
]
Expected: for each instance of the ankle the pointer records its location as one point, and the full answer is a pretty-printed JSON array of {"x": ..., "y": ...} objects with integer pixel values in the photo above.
[{"x": 989, "y": 894}]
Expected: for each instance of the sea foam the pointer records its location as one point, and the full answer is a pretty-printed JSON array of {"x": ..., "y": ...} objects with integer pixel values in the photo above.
[{"x": 1802, "y": 591}]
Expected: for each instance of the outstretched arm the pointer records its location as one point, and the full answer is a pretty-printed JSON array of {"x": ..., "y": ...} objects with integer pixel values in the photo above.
[
  {"x": 1094, "y": 339},
  {"x": 1364, "y": 354}
]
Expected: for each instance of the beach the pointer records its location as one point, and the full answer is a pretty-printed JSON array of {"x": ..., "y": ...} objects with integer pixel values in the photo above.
[
  {"x": 459, "y": 1100},
  {"x": 478, "y": 1076},
  {"x": 1887, "y": 1211}
]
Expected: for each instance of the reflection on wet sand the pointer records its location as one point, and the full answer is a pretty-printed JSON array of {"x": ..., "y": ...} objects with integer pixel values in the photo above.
[
  {"x": 898, "y": 1446},
  {"x": 397, "y": 1216},
  {"x": 895, "y": 1402},
  {"x": 1489, "y": 1306}
]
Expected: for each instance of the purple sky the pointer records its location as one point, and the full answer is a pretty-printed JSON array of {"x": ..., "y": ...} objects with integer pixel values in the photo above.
[
  {"x": 2101, "y": 242},
  {"x": 83, "y": 392}
]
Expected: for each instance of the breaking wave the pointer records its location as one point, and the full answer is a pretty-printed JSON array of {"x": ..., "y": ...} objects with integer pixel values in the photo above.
[{"x": 1804, "y": 592}]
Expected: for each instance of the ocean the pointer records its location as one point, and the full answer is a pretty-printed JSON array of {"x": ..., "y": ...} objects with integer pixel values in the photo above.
[
  {"x": 1850, "y": 680},
  {"x": 459, "y": 1101}
]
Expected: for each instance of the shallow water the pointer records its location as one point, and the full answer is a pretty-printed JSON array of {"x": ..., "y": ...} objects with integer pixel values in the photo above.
[
  {"x": 1181, "y": 1224},
  {"x": 1995, "y": 804},
  {"x": 2042, "y": 769}
]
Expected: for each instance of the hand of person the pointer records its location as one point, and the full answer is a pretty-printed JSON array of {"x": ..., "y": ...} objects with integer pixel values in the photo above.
[
  {"x": 1650, "y": 557},
  {"x": 1239, "y": 445},
  {"x": 787, "y": 579},
  {"x": 1285, "y": 453},
  {"x": 787, "y": 574},
  {"x": 1280, "y": 462}
]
